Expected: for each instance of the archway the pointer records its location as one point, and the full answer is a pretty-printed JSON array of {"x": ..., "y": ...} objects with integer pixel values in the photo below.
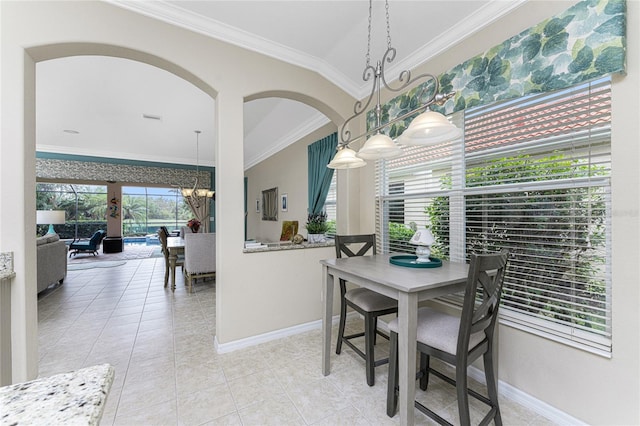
[{"x": 26, "y": 324}]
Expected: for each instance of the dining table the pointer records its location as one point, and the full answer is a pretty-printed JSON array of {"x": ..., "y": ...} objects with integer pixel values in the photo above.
[
  {"x": 408, "y": 285},
  {"x": 175, "y": 247}
]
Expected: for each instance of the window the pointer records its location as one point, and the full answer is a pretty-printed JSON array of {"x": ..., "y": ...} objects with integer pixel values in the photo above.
[
  {"x": 330, "y": 205},
  {"x": 85, "y": 207},
  {"x": 532, "y": 176},
  {"x": 145, "y": 209}
]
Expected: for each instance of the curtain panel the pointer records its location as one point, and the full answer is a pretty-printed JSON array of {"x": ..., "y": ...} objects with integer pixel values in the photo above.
[
  {"x": 585, "y": 42},
  {"x": 319, "y": 154}
]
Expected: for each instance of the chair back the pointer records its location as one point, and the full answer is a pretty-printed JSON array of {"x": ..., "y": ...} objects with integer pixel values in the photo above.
[
  {"x": 345, "y": 244},
  {"x": 200, "y": 252},
  {"x": 162, "y": 237},
  {"x": 97, "y": 237},
  {"x": 486, "y": 276}
]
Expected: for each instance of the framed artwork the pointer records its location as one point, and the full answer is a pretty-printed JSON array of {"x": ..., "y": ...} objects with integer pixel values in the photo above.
[
  {"x": 284, "y": 202},
  {"x": 289, "y": 229},
  {"x": 270, "y": 204}
]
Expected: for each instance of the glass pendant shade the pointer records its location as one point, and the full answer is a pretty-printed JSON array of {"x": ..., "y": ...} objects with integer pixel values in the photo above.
[
  {"x": 346, "y": 158},
  {"x": 429, "y": 128},
  {"x": 379, "y": 146}
]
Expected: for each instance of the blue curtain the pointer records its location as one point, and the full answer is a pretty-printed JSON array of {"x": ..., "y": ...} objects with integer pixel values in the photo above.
[{"x": 319, "y": 155}]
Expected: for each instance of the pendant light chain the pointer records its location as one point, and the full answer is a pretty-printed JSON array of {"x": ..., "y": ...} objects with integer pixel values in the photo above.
[
  {"x": 368, "y": 55},
  {"x": 386, "y": 5}
]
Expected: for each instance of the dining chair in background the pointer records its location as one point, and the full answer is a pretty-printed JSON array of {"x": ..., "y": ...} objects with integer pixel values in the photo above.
[
  {"x": 199, "y": 256},
  {"x": 163, "y": 234},
  {"x": 458, "y": 340},
  {"x": 366, "y": 302}
]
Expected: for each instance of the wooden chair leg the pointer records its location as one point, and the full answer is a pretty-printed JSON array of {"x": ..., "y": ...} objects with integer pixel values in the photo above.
[
  {"x": 392, "y": 396},
  {"x": 343, "y": 320},
  {"x": 424, "y": 369},
  {"x": 369, "y": 337},
  {"x": 463, "y": 396},
  {"x": 492, "y": 386}
]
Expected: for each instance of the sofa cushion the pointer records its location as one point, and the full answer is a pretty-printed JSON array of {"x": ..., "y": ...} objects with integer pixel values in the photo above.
[{"x": 49, "y": 238}]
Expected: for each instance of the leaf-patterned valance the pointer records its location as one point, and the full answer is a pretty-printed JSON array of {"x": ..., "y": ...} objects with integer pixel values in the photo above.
[{"x": 586, "y": 41}]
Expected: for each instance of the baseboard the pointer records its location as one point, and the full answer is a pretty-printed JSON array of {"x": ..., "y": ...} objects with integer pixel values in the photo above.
[
  {"x": 272, "y": 335},
  {"x": 534, "y": 404}
]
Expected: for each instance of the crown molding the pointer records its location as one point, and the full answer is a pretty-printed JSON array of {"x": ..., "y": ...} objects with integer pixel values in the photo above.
[
  {"x": 180, "y": 17},
  {"x": 318, "y": 120}
]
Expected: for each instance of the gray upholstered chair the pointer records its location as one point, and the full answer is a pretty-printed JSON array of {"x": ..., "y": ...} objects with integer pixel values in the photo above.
[
  {"x": 199, "y": 256},
  {"x": 459, "y": 340},
  {"x": 163, "y": 234},
  {"x": 366, "y": 302}
]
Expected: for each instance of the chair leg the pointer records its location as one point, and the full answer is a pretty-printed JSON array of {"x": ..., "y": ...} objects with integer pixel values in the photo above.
[
  {"x": 392, "y": 396},
  {"x": 375, "y": 331},
  {"x": 369, "y": 337},
  {"x": 492, "y": 388},
  {"x": 343, "y": 320},
  {"x": 424, "y": 369},
  {"x": 463, "y": 396},
  {"x": 166, "y": 274}
]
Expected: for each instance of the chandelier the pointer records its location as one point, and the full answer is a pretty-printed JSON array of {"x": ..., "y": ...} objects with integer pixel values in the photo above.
[
  {"x": 197, "y": 196},
  {"x": 428, "y": 128}
]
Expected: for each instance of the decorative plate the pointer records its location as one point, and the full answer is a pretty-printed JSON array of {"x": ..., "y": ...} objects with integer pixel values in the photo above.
[{"x": 409, "y": 261}]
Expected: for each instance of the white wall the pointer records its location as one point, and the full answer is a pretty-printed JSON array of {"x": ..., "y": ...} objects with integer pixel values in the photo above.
[
  {"x": 591, "y": 388},
  {"x": 286, "y": 170},
  {"x": 35, "y": 31}
]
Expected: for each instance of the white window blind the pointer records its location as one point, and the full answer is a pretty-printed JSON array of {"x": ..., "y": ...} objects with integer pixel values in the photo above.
[
  {"x": 330, "y": 205},
  {"x": 535, "y": 181}
]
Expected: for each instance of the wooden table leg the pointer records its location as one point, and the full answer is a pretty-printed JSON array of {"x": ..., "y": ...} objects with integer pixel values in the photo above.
[
  {"x": 407, "y": 328},
  {"x": 173, "y": 259},
  {"x": 327, "y": 319}
]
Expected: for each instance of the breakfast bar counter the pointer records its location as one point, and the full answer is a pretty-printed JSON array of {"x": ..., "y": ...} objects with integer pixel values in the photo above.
[{"x": 74, "y": 398}]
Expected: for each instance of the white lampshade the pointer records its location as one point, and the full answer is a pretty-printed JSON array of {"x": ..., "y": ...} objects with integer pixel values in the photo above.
[
  {"x": 346, "y": 158},
  {"x": 50, "y": 217},
  {"x": 379, "y": 146},
  {"x": 423, "y": 239},
  {"x": 429, "y": 128}
]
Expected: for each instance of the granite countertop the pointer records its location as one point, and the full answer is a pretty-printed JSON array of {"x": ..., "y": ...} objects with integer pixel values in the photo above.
[
  {"x": 286, "y": 245},
  {"x": 74, "y": 398}
]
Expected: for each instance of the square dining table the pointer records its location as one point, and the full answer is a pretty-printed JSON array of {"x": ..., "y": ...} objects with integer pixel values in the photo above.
[{"x": 405, "y": 284}]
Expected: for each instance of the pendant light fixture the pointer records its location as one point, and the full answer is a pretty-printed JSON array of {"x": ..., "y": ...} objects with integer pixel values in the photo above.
[
  {"x": 428, "y": 128},
  {"x": 197, "y": 196}
]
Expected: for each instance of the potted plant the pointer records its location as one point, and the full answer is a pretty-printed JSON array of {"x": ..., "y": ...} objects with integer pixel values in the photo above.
[
  {"x": 316, "y": 227},
  {"x": 194, "y": 225}
]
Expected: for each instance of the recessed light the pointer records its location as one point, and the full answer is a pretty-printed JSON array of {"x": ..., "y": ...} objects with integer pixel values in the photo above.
[{"x": 73, "y": 132}]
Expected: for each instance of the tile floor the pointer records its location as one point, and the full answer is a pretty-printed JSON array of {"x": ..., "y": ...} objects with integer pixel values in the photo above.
[{"x": 168, "y": 373}]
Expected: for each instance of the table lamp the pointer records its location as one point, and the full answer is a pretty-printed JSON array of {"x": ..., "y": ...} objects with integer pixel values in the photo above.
[
  {"x": 423, "y": 240},
  {"x": 50, "y": 217}
]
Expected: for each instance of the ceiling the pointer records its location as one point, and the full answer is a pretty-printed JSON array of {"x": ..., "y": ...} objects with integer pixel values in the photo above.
[{"x": 104, "y": 99}]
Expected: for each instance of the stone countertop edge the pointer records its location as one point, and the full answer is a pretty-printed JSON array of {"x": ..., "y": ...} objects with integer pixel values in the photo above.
[
  {"x": 6, "y": 274},
  {"x": 329, "y": 243},
  {"x": 74, "y": 398}
]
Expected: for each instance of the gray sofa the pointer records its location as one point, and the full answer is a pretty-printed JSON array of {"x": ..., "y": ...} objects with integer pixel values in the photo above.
[{"x": 52, "y": 260}]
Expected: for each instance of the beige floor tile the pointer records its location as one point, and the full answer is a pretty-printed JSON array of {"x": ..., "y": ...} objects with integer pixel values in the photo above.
[
  {"x": 317, "y": 399},
  {"x": 249, "y": 389},
  {"x": 275, "y": 410},
  {"x": 157, "y": 415},
  {"x": 202, "y": 406}
]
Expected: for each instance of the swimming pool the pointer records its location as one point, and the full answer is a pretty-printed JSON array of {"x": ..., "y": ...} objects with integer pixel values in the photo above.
[{"x": 147, "y": 240}]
